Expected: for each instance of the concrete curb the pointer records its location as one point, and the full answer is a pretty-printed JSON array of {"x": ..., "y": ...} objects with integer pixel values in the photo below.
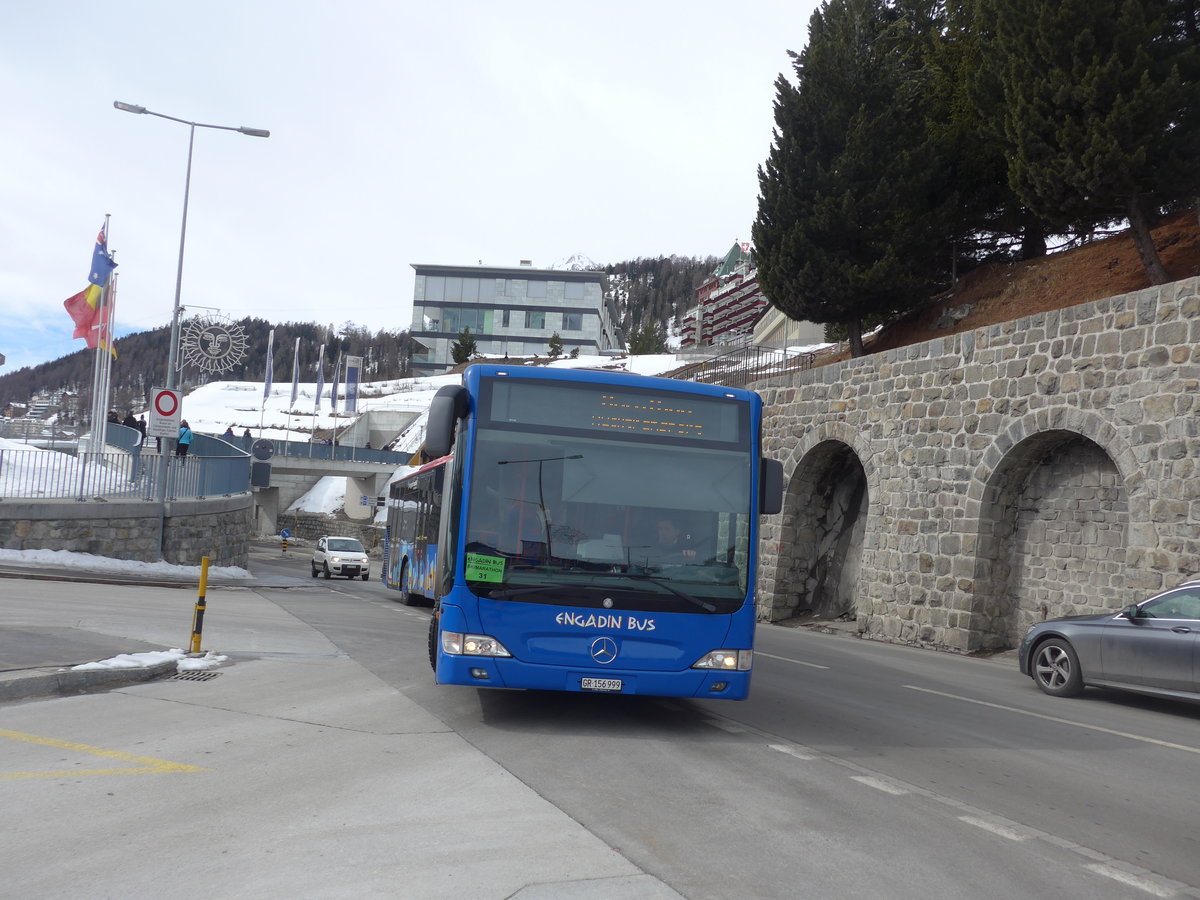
[{"x": 26, "y": 683}]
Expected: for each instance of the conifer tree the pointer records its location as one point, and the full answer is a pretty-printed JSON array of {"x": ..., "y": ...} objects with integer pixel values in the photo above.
[
  {"x": 1100, "y": 110},
  {"x": 464, "y": 348},
  {"x": 648, "y": 337},
  {"x": 556, "y": 345},
  {"x": 854, "y": 204}
]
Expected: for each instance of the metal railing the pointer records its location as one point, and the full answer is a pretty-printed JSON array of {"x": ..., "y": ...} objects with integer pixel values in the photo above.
[
  {"x": 743, "y": 365},
  {"x": 118, "y": 475},
  {"x": 340, "y": 452}
]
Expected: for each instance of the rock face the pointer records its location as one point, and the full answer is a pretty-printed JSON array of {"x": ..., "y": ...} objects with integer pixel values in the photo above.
[{"x": 951, "y": 493}]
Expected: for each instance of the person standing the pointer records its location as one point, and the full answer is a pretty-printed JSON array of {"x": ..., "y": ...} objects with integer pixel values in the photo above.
[
  {"x": 135, "y": 452},
  {"x": 185, "y": 439}
]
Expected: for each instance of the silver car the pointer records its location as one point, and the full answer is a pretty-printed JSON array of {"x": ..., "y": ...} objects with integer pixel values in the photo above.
[{"x": 1152, "y": 647}]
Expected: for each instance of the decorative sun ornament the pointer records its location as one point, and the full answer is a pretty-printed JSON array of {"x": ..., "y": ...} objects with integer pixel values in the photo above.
[{"x": 213, "y": 343}]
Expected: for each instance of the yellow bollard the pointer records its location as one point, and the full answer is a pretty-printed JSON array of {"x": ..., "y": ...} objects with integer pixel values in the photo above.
[{"x": 198, "y": 619}]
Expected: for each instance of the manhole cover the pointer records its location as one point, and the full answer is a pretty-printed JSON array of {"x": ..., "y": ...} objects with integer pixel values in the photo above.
[{"x": 194, "y": 676}]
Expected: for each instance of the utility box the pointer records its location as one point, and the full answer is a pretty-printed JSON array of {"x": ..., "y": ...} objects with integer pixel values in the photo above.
[{"x": 260, "y": 474}]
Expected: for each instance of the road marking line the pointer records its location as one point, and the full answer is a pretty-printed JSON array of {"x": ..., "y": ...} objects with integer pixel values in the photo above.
[
  {"x": 1024, "y": 712},
  {"x": 786, "y": 659},
  {"x": 1009, "y": 830},
  {"x": 726, "y": 726},
  {"x": 791, "y": 751},
  {"x": 1133, "y": 881},
  {"x": 880, "y": 784},
  {"x": 149, "y": 765}
]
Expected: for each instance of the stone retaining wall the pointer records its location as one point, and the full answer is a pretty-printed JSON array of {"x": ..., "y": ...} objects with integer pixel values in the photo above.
[
  {"x": 217, "y": 528},
  {"x": 952, "y": 492}
]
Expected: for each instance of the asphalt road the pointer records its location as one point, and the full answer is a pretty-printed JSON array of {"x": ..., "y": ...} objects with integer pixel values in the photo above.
[{"x": 855, "y": 769}]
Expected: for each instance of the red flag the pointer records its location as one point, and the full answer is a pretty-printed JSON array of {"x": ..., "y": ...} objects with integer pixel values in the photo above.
[{"x": 86, "y": 308}]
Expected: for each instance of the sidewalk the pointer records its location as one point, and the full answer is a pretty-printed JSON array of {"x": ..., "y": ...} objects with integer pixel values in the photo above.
[{"x": 342, "y": 786}]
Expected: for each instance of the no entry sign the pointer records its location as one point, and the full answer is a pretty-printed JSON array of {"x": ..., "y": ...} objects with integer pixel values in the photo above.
[{"x": 166, "y": 409}]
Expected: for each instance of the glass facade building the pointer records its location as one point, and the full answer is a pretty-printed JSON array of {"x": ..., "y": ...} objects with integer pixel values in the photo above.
[{"x": 511, "y": 312}]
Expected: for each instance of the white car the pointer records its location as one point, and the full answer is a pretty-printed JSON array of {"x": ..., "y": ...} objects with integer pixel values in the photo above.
[{"x": 341, "y": 556}]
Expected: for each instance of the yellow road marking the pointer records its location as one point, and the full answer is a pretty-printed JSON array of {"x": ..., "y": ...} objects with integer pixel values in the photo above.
[{"x": 148, "y": 765}]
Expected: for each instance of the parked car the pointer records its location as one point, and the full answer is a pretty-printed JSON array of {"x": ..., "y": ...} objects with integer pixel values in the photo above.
[
  {"x": 1152, "y": 647},
  {"x": 340, "y": 556}
]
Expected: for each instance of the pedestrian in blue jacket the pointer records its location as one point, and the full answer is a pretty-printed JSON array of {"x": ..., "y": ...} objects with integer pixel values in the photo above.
[{"x": 185, "y": 439}]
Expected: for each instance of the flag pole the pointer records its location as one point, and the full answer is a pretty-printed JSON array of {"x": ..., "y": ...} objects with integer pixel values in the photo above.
[
  {"x": 267, "y": 378},
  {"x": 99, "y": 389}
]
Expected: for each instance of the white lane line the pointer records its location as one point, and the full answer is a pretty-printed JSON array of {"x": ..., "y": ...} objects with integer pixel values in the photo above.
[
  {"x": 731, "y": 727},
  {"x": 791, "y": 751},
  {"x": 1134, "y": 881},
  {"x": 1024, "y": 712},
  {"x": 881, "y": 784},
  {"x": 786, "y": 659},
  {"x": 1005, "y": 829}
]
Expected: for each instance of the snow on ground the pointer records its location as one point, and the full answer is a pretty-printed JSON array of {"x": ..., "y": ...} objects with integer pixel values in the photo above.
[
  {"x": 68, "y": 559},
  {"x": 39, "y": 472},
  {"x": 184, "y": 663}
]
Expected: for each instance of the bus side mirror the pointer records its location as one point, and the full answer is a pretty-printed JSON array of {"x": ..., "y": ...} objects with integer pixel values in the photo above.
[
  {"x": 449, "y": 405},
  {"x": 770, "y": 487}
]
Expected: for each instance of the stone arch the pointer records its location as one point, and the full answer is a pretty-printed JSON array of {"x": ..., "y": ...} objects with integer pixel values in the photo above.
[
  {"x": 1052, "y": 501},
  {"x": 825, "y": 518}
]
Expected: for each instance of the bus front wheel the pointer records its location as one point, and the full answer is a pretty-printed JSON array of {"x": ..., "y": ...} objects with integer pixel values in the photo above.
[{"x": 433, "y": 636}]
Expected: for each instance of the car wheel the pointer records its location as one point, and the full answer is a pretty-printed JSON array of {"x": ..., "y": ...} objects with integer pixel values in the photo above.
[
  {"x": 327, "y": 573},
  {"x": 314, "y": 570},
  {"x": 364, "y": 575},
  {"x": 1056, "y": 669}
]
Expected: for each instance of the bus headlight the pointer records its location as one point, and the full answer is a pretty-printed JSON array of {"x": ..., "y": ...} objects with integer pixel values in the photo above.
[
  {"x": 726, "y": 660},
  {"x": 458, "y": 644}
]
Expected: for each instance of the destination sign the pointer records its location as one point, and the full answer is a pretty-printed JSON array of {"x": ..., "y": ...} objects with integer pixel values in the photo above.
[{"x": 616, "y": 411}]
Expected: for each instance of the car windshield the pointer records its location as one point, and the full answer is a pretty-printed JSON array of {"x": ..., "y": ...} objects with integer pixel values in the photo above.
[
  {"x": 625, "y": 524},
  {"x": 345, "y": 545}
]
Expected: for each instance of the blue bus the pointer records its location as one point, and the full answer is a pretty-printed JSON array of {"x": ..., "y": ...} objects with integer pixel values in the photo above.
[{"x": 595, "y": 532}]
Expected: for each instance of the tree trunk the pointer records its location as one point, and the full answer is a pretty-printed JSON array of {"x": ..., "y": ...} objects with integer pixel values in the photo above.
[
  {"x": 1140, "y": 226},
  {"x": 854, "y": 334},
  {"x": 1033, "y": 238}
]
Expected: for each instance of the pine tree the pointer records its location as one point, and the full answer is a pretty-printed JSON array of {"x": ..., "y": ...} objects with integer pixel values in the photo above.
[
  {"x": 556, "y": 345},
  {"x": 854, "y": 206},
  {"x": 647, "y": 337},
  {"x": 464, "y": 348},
  {"x": 1100, "y": 110}
]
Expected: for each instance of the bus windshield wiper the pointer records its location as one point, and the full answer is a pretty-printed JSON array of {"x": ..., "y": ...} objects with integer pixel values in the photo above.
[{"x": 659, "y": 582}]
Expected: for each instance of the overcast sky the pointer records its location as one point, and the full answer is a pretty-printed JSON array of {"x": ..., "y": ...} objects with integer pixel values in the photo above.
[{"x": 401, "y": 133}]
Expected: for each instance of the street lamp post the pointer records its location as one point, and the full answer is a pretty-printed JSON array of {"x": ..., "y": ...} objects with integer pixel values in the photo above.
[{"x": 173, "y": 353}]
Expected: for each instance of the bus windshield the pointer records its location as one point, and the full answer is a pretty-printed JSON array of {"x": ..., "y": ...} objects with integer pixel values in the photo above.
[{"x": 570, "y": 514}]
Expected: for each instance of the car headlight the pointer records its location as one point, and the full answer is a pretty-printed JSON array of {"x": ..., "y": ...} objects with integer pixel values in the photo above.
[
  {"x": 726, "y": 660},
  {"x": 336, "y": 559},
  {"x": 459, "y": 644}
]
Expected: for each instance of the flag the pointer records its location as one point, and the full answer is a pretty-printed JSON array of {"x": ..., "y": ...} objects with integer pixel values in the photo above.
[
  {"x": 295, "y": 373},
  {"x": 320, "y": 374},
  {"x": 333, "y": 391},
  {"x": 270, "y": 365},
  {"x": 85, "y": 307},
  {"x": 353, "y": 369}
]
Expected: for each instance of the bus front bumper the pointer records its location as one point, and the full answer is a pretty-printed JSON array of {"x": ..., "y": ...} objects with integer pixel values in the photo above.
[{"x": 507, "y": 672}]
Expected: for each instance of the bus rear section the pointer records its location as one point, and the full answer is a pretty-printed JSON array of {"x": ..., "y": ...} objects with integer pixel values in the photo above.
[{"x": 598, "y": 534}]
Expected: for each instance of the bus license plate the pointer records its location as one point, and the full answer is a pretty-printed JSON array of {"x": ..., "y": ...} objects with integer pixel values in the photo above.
[{"x": 600, "y": 684}]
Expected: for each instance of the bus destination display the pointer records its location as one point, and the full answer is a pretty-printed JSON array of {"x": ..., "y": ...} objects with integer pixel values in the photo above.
[{"x": 615, "y": 411}]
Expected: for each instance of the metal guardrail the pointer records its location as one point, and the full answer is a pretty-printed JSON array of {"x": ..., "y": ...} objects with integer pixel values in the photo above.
[
  {"x": 743, "y": 365},
  {"x": 339, "y": 452},
  {"x": 118, "y": 475}
]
